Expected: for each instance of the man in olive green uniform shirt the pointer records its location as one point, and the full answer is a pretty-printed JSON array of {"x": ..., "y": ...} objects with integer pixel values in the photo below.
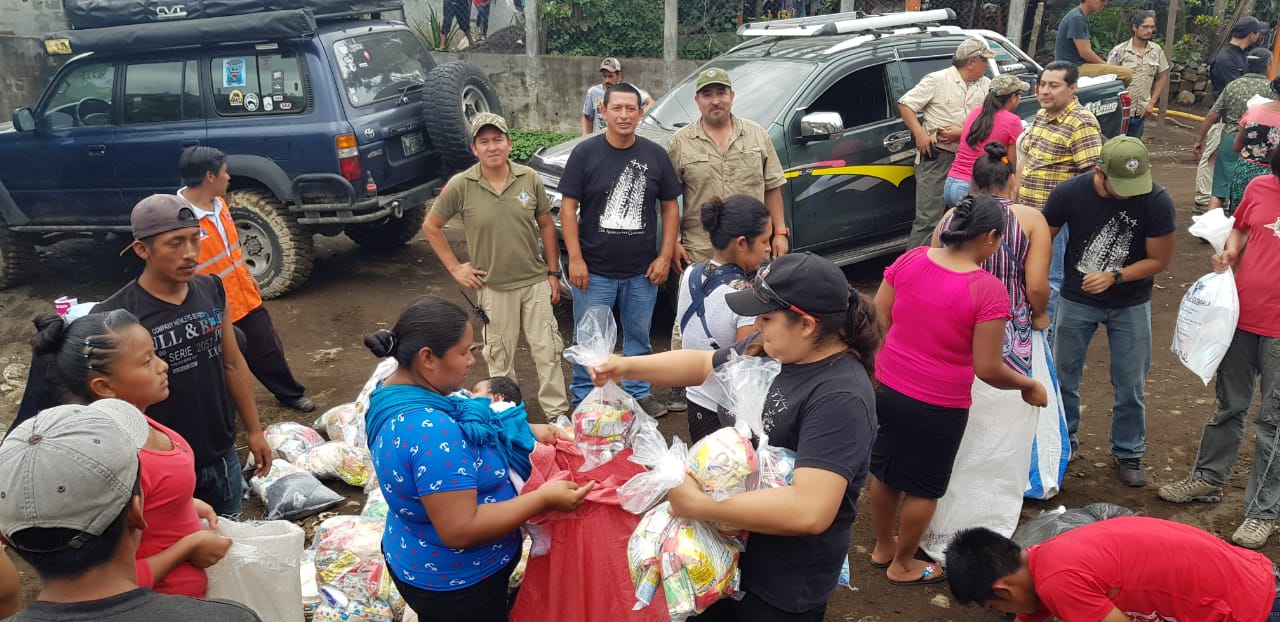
[{"x": 505, "y": 211}]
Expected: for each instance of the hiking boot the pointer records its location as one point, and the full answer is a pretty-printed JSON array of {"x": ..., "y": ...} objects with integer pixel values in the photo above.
[
  {"x": 1190, "y": 489},
  {"x": 676, "y": 401},
  {"x": 1130, "y": 472},
  {"x": 1253, "y": 533},
  {"x": 653, "y": 406}
]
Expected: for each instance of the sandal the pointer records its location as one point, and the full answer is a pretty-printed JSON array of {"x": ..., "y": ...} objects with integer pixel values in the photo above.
[
  {"x": 882, "y": 565},
  {"x": 930, "y": 574}
]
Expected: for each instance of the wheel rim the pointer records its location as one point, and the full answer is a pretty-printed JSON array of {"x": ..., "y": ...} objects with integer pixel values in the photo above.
[
  {"x": 255, "y": 245},
  {"x": 473, "y": 103}
]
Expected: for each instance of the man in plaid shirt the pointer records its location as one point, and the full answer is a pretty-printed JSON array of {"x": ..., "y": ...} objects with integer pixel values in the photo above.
[{"x": 1063, "y": 141}]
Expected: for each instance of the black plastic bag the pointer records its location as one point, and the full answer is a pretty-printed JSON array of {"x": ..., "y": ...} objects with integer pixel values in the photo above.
[{"x": 1056, "y": 522}]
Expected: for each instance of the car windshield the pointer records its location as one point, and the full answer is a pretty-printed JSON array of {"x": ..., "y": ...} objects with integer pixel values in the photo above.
[
  {"x": 756, "y": 84},
  {"x": 379, "y": 66}
]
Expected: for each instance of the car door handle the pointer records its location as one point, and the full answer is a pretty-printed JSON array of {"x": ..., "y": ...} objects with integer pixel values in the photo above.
[
  {"x": 97, "y": 150},
  {"x": 897, "y": 140},
  {"x": 189, "y": 143}
]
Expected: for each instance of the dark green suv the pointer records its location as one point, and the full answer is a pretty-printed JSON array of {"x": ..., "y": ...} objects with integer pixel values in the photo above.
[{"x": 828, "y": 101}]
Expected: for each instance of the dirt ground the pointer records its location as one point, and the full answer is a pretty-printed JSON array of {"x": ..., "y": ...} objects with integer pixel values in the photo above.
[{"x": 352, "y": 292}]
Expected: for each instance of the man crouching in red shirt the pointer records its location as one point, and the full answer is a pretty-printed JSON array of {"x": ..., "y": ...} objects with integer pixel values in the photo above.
[{"x": 1117, "y": 570}]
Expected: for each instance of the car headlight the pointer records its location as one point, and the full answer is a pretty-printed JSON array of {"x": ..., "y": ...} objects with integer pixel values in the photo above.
[{"x": 556, "y": 199}]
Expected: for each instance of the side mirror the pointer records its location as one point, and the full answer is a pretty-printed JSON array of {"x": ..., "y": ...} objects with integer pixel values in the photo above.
[
  {"x": 820, "y": 125},
  {"x": 24, "y": 120}
]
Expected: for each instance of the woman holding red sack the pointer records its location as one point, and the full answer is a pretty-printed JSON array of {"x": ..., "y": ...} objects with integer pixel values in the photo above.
[
  {"x": 821, "y": 406},
  {"x": 453, "y": 525}
]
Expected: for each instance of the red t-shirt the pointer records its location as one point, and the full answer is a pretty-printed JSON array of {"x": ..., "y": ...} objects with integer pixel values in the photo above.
[
  {"x": 1152, "y": 570},
  {"x": 928, "y": 353},
  {"x": 168, "y": 482},
  {"x": 1259, "y": 215}
]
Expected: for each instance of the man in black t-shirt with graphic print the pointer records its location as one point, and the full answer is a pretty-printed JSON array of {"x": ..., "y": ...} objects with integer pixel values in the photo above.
[
  {"x": 186, "y": 314},
  {"x": 1122, "y": 229},
  {"x": 611, "y": 182}
]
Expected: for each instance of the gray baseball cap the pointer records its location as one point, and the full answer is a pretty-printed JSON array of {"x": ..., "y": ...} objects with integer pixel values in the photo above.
[
  {"x": 160, "y": 213},
  {"x": 70, "y": 467}
]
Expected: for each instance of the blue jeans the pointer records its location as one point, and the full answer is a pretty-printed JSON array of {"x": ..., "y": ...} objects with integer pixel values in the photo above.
[
  {"x": 1056, "y": 272},
  {"x": 954, "y": 191},
  {"x": 635, "y": 298},
  {"x": 1129, "y": 340},
  {"x": 221, "y": 485},
  {"x": 1136, "y": 125}
]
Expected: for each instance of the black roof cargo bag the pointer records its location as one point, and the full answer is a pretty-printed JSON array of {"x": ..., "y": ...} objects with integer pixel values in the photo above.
[
  {"x": 273, "y": 26},
  {"x": 84, "y": 14}
]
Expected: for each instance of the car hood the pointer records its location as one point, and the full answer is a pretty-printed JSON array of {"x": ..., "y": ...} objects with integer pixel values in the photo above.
[{"x": 549, "y": 162}]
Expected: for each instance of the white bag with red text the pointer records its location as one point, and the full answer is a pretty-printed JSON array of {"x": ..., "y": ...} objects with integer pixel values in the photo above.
[{"x": 1210, "y": 309}]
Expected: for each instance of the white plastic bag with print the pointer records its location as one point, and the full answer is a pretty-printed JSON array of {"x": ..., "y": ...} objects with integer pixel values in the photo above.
[
  {"x": 1051, "y": 447},
  {"x": 666, "y": 469},
  {"x": 746, "y": 381},
  {"x": 1210, "y": 309},
  {"x": 262, "y": 569},
  {"x": 605, "y": 420}
]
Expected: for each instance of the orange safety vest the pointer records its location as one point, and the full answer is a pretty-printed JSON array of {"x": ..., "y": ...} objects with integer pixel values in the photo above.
[{"x": 226, "y": 261}]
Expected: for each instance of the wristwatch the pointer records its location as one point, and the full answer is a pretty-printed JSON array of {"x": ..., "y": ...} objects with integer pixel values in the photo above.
[
  {"x": 782, "y": 231},
  {"x": 555, "y": 273},
  {"x": 1119, "y": 277}
]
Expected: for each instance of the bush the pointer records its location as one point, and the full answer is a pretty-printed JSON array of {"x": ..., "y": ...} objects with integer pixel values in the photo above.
[
  {"x": 525, "y": 142},
  {"x": 622, "y": 28}
]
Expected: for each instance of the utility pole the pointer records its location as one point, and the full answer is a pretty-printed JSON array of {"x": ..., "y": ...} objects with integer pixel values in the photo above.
[
  {"x": 670, "y": 40},
  {"x": 1017, "y": 17}
]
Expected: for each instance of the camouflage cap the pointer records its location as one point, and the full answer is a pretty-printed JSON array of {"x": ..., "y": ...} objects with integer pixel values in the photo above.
[
  {"x": 1008, "y": 84},
  {"x": 974, "y": 48},
  {"x": 488, "y": 118}
]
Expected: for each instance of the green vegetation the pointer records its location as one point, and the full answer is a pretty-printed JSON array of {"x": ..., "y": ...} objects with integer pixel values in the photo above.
[
  {"x": 428, "y": 31},
  {"x": 525, "y": 142}
]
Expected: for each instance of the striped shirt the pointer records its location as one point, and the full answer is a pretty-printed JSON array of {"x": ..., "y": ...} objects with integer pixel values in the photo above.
[{"x": 1057, "y": 149}]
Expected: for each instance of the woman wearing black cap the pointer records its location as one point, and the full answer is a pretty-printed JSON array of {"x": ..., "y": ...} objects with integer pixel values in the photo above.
[{"x": 821, "y": 406}]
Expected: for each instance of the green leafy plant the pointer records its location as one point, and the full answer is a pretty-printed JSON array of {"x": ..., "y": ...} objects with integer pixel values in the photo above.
[
  {"x": 525, "y": 142},
  {"x": 428, "y": 31},
  {"x": 1187, "y": 50},
  {"x": 624, "y": 28}
]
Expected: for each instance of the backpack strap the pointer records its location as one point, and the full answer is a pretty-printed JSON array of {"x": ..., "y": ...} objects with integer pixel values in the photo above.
[{"x": 703, "y": 280}]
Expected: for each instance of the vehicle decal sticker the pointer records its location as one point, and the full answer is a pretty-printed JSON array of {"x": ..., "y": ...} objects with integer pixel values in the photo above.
[
  {"x": 251, "y": 102},
  {"x": 233, "y": 72},
  {"x": 235, "y": 98},
  {"x": 892, "y": 173},
  {"x": 267, "y": 104}
]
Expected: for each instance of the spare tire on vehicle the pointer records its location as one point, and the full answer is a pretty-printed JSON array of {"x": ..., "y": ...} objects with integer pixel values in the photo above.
[{"x": 456, "y": 93}]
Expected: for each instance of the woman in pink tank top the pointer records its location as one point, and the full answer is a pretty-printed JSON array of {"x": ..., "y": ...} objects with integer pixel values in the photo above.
[{"x": 946, "y": 319}]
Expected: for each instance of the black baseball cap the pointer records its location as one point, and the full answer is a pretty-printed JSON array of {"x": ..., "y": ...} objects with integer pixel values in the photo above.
[
  {"x": 1248, "y": 25},
  {"x": 801, "y": 282}
]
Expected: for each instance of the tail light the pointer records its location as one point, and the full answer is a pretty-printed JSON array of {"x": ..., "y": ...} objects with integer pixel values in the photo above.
[
  {"x": 349, "y": 158},
  {"x": 1126, "y": 109}
]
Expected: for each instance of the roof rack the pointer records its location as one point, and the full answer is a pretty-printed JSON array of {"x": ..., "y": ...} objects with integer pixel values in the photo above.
[
  {"x": 254, "y": 27},
  {"x": 841, "y": 23}
]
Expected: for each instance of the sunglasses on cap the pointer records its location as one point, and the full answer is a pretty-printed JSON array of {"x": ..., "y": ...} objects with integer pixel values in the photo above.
[{"x": 765, "y": 294}]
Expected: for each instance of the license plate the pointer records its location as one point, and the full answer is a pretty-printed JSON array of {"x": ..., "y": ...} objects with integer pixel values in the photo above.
[{"x": 412, "y": 143}]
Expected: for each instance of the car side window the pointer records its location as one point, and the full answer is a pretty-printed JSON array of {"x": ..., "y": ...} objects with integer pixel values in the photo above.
[
  {"x": 159, "y": 92},
  {"x": 860, "y": 97},
  {"x": 82, "y": 98},
  {"x": 921, "y": 67},
  {"x": 257, "y": 84}
]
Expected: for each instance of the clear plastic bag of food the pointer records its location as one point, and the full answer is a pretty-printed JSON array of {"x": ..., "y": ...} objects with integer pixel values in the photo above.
[
  {"x": 290, "y": 440},
  {"x": 338, "y": 460},
  {"x": 344, "y": 422},
  {"x": 746, "y": 381},
  {"x": 291, "y": 493},
  {"x": 723, "y": 463},
  {"x": 666, "y": 469},
  {"x": 604, "y": 422},
  {"x": 644, "y": 553},
  {"x": 375, "y": 505},
  {"x": 699, "y": 567}
]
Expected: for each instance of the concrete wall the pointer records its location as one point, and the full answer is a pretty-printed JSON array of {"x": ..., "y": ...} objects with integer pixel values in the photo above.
[
  {"x": 31, "y": 18},
  {"x": 24, "y": 73},
  {"x": 548, "y": 94}
]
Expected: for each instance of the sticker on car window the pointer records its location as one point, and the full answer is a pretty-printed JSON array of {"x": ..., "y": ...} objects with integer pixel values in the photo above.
[
  {"x": 286, "y": 106},
  {"x": 251, "y": 102},
  {"x": 233, "y": 72},
  {"x": 235, "y": 98},
  {"x": 277, "y": 82},
  {"x": 267, "y": 104}
]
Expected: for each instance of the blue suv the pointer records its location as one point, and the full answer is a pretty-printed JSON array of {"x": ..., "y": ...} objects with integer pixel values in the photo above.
[{"x": 332, "y": 124}]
